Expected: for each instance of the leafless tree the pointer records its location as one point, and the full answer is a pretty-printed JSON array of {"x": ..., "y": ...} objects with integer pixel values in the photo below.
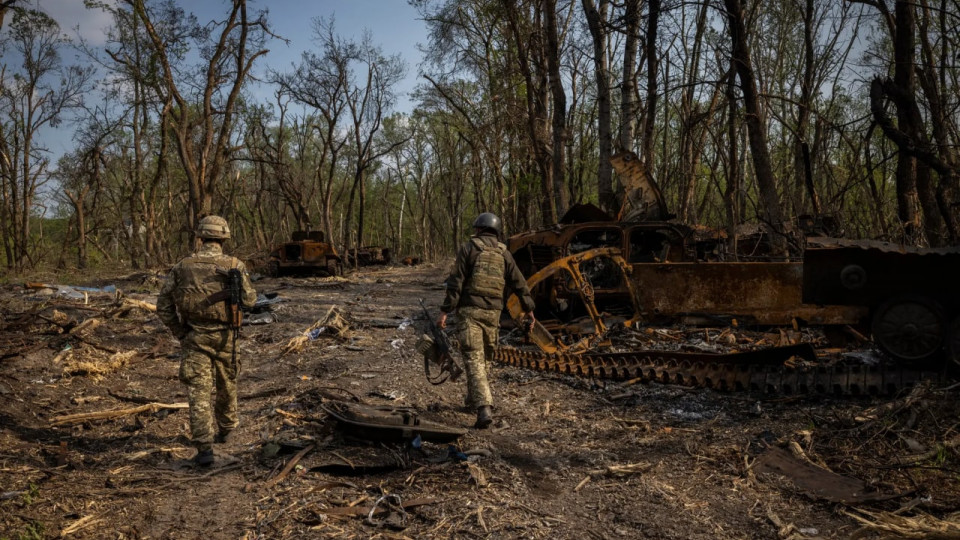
[
  {"x": 34, "y": 95},
  {"x": 202, "y": 122}
]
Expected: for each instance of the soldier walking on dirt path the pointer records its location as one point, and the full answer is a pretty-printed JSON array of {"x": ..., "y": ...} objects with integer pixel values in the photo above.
[
  {"x": 475, "y": 288},
  {"x": 194, "y": 305}
]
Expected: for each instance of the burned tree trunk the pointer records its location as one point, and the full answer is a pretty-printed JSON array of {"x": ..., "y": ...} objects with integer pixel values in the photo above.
[
  {"x": 596, "y": 17},
  {"x": 918, "y": 157},
  {"x": 731, "y": 194},
  {"x": 917, "y": 147},
  {"x": 527, "y": 36},
  {"x": 802, "y": 158},
  {"x": 756, "y": 129},
  {"x": 560, "y": 192},
  {"x": 653, "y": 21},
  {"x": 628, "y": 85}
]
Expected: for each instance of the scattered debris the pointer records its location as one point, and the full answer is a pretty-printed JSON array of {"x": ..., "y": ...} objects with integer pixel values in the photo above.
[
  {"x": 895, "y": 525},
  {"x": 614, "y": 471},
  {"x": 80, "y": 524},
  {"x": 611, "y": 452},
  {"x": 368, "y": 256},
  {"x": 90, "y": 365},
  {"x": 72, "y": 291},
  {"x": 333, "y": 323},
  {"x": 362, "y": 510},
  {"x": 389, "y": 424},
  {"x": 477, "y": 475},
  {"x": 814, "y": 481},
  {"x": 80, "y": 418},
  {"x": 288, "y": 467},
  {"x": 267, "y": 317}
]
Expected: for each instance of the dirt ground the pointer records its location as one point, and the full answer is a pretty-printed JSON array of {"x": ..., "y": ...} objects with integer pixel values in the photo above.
[{"x": 566, "y": 458}]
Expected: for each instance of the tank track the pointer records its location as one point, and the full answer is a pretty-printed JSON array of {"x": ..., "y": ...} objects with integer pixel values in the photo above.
[{"x": 791, "y": 370}]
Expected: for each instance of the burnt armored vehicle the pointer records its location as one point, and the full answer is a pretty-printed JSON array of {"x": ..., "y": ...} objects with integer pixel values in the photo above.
[
  {"x": 307, "y": 253},
  {"x": 593, "y": 271},
  {"x": 369, "y": 256},
  {"x": 674, "y": 274}
]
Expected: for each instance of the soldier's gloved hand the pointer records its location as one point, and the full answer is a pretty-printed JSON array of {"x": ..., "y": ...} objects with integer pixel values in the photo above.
[{"x": 530, "y": 320}]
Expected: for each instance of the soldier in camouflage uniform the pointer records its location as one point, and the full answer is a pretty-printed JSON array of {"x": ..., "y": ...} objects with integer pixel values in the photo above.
[
  {"x": 190, "y": 306},
  {"x": 475, "y": 288}
]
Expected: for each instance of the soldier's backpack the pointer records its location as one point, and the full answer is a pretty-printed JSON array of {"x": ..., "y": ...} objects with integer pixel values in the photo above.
[
  {"x": 487, "y": 277},
  {"x": 201, "y": 296}
]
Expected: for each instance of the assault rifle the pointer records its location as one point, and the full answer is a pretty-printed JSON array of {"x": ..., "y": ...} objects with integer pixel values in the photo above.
[
  {"x": 444, "y": 353},
  {"x": 232, "y": 294}
]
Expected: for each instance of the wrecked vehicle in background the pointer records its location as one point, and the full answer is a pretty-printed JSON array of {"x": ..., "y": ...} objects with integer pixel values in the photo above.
[
  {"x": 307, "y": 253},
  {"x": 368, "y": 256},
  {"x": 646, "y": 268}
]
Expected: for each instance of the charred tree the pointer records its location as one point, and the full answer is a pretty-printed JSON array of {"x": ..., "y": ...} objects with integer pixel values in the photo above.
[
  {"x": 756, "y": 129},
  {"x": 918, "y": 157},
  {"x": 203, "y": 127},
  {"x": 526, "y": 33},
  {"x": 559, "y": 105},
  {"x": 649, "y": 120},
  {"x": 628, "y": 83},
  {"x": 596, "y": 19},
  {"x": 802, "y": 156}
]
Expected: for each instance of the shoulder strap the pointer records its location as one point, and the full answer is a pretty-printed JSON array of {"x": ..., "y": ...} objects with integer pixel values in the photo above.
[
  {"x": 478, "y": 243},
  {"x": 483, "y": 246}
]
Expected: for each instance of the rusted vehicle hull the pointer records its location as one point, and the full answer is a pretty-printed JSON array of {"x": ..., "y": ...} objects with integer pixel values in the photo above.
[
  {"x": 369, "y": 256},
  {"x": 751, "y": 293},
  {"x": 564, "y": 283},
  {"x": 675, "y": 277},
  {"x": 913, "y": 294},
  {"x": 308, "y": 253}
]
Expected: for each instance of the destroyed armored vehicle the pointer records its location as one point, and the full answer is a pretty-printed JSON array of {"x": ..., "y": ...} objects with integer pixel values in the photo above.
[
  {"x": 678, "y": 273},
  {"x": 368, "y": 256},
  {"x": 592, "y": 272},
  {"x": 674, "y": 272},
  {"x": 308, "y": 253},
  {"x": 907, "y": 298}
]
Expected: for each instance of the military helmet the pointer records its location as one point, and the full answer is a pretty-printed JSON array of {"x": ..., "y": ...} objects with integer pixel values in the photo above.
[
  {"x": 213, "y": 228},
  {"x": 487, "y": 220}
]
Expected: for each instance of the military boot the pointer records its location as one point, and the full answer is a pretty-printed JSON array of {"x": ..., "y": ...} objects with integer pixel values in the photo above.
[
  {"x": 204, "y": 457},
  {"x": 484, "y": 417},
  {"x": 222, "y": 436}
]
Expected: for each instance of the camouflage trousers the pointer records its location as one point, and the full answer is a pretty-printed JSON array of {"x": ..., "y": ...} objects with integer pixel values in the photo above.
[
  {"x": 207, "y": 365},
  {"x": 478, "y": 331}
]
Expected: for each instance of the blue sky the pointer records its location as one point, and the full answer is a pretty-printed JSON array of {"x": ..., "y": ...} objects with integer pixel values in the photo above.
[{"x": 394, "y": 25}]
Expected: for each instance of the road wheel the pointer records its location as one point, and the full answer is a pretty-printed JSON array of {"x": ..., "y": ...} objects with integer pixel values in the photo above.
[
  {"x": 853, "y": 277},
  {"x": 909, "y": 328}
]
